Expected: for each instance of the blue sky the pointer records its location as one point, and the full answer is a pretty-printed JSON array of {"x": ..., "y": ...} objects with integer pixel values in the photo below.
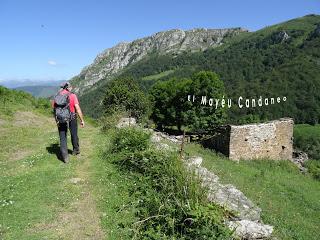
[{"x": 54, "y": 40}]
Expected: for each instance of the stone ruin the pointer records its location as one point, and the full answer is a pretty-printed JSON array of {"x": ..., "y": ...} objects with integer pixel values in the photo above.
[
  {"x": 273, "y": 140},
  {"x": 246, "y": 220}
]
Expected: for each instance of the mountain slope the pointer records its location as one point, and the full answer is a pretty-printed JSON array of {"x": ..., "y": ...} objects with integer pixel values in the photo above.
[
  {"x": 280, "y": 60},
  {"x": 112, "y": 60}
]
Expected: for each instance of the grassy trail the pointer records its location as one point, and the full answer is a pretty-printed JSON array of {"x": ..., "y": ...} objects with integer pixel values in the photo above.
[{"x": 41, "y": 197}]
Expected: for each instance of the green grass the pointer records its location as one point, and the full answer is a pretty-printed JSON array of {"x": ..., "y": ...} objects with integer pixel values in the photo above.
[
  {"x": 12, "y": 101},
  {"x": 157, "y": 76},
  {"x": 33, "y": 187},
  {"x": 290, "y": 201},
  {"x": 35, "y": 190},
  {"x": 112, "y": 191},
  {"x": 164, "y": 195}
]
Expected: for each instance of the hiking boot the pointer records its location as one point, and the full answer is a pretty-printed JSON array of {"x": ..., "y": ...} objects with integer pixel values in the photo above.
[
  {"x": 65, "y": 159},
  {"x": 75, "y": 152}
]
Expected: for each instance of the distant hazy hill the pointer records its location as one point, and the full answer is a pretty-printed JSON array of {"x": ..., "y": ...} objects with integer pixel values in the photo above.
[
  {"x": 39, "y": 91},
  {"x": 29, "y": 82},
  {"x": 36, "y": 88}
]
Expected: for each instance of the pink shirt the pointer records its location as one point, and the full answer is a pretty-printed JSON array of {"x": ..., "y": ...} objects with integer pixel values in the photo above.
[{"x": 73, "y": 100}]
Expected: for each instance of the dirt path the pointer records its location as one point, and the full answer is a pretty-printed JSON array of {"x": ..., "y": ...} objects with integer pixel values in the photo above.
[{"x": 81, "y": 220}]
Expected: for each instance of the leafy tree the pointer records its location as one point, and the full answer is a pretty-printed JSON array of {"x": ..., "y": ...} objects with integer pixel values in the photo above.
[
  {"x": 206, "y": 117},
  {"x": 172, "y": 108},
  {"x": 169, "y": 103},
  {"x": 125, "y": 94}
]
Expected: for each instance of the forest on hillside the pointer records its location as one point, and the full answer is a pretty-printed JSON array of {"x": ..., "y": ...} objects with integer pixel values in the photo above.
[{"x": 278, "y": 61}]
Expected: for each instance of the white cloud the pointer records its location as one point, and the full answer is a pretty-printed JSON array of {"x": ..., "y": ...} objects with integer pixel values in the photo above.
[{"x": 52, "y": 63}]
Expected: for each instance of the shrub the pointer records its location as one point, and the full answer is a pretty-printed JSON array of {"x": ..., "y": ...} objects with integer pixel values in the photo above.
[
  {"x": 110, "y": 120},
  {"x": 169, "y": 202},
  {"x": 130, "y": 140},
  {"x": 314, "y": 168}
]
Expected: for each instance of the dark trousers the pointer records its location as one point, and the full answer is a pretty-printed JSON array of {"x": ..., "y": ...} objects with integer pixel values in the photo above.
[{"x": 63, "y": 130}]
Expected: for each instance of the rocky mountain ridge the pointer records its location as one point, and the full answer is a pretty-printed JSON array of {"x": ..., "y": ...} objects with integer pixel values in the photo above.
[{"x": 108, "y": 63}]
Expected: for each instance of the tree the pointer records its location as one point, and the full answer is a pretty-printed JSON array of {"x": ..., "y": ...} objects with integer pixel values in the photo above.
[
  {"x": 171, "y": 107},
  {"x": 206, "y": 117},
  {"x": 125, "y": 94}
]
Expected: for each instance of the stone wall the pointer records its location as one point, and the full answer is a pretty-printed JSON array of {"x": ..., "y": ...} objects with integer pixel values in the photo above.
[{"x": 264, "y": 140}]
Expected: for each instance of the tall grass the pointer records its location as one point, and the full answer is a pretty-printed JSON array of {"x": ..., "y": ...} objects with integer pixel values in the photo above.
[
  {"x": 289, "y": 199},
  {"x": 169, "y": 202}
]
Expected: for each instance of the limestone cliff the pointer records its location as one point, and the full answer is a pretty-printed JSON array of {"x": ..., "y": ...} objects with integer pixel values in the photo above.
[{"x": 108, "y": 63}]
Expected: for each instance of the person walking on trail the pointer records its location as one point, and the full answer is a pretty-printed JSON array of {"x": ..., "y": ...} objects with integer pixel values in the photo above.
[{"x": 66, "y": 110}]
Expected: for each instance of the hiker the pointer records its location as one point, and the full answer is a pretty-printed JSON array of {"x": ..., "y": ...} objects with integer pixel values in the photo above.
[{"x": 66, "y": 110}]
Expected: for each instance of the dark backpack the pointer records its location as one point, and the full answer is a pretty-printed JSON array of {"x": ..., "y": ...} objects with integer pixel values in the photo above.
[{"x": 62, "y": 107}]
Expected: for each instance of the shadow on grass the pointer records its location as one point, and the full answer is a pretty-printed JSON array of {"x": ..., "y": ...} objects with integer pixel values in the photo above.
[{"x": 55, "y": 149}]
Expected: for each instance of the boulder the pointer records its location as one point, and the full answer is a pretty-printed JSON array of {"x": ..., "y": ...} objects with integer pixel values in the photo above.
[
  {"x": 299, "y": 158},
  {"x": 126, "y": 122},
  {"x": 225, "y": 195},
  {"x": 233, "y": 199},
  {"x": 246, "y": 229},
  {"x": 194, "y": 161}
]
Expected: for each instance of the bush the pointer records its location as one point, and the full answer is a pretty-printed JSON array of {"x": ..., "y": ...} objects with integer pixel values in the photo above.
[
  {"x": 314, "y": 168},
  {"x": 168, "y": 200},
  {"x": 130, "y": 140},
  {"x": 110, "y": 120}
]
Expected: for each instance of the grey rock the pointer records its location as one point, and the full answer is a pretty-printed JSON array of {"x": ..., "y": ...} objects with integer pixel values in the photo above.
[
  {"x": 108, "y": 63},
  {"x": 155, "y": 138},
  {"x": 225, "y": 195},
  {"x": 194, "y": 161},
  {"x": 159, "y": 136},
  {"x": 280, "y": 37},
  {"x": 246, "y": 229},
  {"x": 163, "y": 147},
  {"x": 299, "y": 158},
  {"x": 208, "y": 179},
  {"x": 233, "y": 199},
  {"x": 126, "y": 122}
]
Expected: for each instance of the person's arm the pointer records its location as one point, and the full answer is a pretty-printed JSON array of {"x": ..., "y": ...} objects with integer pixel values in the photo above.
[
  {"x": 52, "y": 103},
  {"x": 79, "y": 112}
]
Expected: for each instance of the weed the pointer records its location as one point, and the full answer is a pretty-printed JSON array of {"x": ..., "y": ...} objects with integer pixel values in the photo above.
[{"x": 169, "y": 202}]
